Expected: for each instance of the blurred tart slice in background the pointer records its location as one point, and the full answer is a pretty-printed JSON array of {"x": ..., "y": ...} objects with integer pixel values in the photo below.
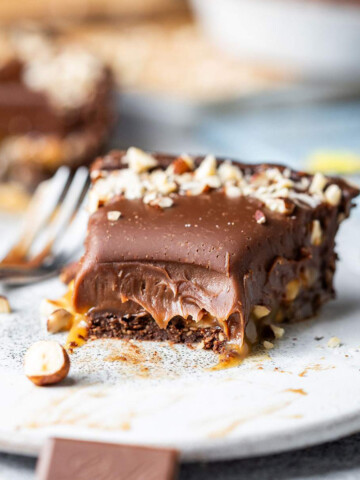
[{"x": 54, "y": 105}]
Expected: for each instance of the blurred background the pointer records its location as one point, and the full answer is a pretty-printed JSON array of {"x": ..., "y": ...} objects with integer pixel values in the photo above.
[{"x": 249, "y": 79}]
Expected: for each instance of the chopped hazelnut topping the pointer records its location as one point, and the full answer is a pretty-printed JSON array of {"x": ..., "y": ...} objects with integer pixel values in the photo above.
[
  {"x": 60, "y": 320},
  {"x": 200, "y": 345},
  {"x": 182, "y": 165},
  {"x": 160, "y": 182},
  {"x": 309, "y": 277},
  {"x": 207, "y": 168},
  {"x": 213, "y": 181},
  {"x": 318, "y": 183},
  {"x": 144, "y": 178},
  {"x": 229, "y": 172},
  {"x": 162, "y": 202},
  {"x": 149, "y": 197},
  {"x": 333, "y": 195},
  {"x": 316, "y": 233},
  {"x": 113, "y": 215},
  {"x": 334, "y": 342},
  {"x": 188, "y": 160},
  {"x": 139, "y": 161},
  {"x": 47, "y": 307},
  {"x": 292, "y": 290},
  {"x": 93, "y": 201},
  {"x": 280, "y": 205},
  {"x": 268, "y": 345},
  {"x": 232, "y": 191},
  {"x": 260, "y": 217},
  {"x": 260, "y": 311},
  {"x": 278, "y": 331},
  {"x": 96, "y": 174},
  {"x": 4, "y": 305},
  {"x": 194, "y": 189}
]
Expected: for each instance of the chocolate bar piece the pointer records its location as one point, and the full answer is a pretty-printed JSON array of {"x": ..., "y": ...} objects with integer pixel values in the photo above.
[
  {"x": 54, "y": 106},
  {"x": 198, "y": 250},
  {"x": 63, "y": 459}
]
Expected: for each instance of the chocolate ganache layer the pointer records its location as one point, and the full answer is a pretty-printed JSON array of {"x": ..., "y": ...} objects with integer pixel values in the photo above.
[{"x": 205, "y": 245}]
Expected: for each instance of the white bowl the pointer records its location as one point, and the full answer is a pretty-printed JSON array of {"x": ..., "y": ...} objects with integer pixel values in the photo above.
[{"x": 317, "y": 39}]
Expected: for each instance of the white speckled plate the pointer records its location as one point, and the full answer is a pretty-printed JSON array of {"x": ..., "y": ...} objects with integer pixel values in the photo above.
[{"x": 300, "y": 393}]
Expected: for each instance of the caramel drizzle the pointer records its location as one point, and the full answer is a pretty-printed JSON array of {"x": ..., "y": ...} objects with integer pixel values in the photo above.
[
  {"x": 232, "y": 356},
  {"x": 78, "y": 332}
]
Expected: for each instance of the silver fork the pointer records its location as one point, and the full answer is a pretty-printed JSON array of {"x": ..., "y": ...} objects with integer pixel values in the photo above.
[{"x": 52, "y": 210}]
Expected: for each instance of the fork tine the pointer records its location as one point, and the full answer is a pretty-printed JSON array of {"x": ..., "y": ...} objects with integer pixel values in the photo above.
[
  {"x": 16, "y": 276},
  {"x": 67, "y": 213},
  {"x": 50, "y": 224},
  {"x": 40, "y": 210},
  {"x": 12, "y": 278}
]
